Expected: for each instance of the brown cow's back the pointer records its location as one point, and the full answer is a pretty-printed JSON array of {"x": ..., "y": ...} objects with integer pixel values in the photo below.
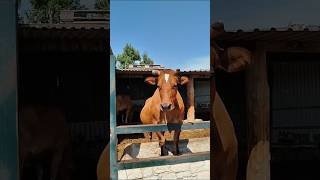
[{"x": 123, "y": 102}]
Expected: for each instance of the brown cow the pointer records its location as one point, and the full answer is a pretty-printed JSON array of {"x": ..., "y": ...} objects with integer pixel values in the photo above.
[
  {"x": 124, "y": 103},
  {"x": 166, "y": 105},
  {"x": 43, "y": 129},
  {"x": 103, "y": 167},
  {"x": 225, "y": 151}
]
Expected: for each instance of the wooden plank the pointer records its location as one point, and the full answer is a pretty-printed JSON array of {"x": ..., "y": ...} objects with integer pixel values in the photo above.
[
  {"x": 164, "y": 160},
  {"x": 130, "y": 129},
  {"x": 190, "y": 93},
  {"x": 113, "y": 135},
  {"x": 258, "y": 106},
  {"x": 8, "y": 92},
  {"x": 212, "y": 98}
]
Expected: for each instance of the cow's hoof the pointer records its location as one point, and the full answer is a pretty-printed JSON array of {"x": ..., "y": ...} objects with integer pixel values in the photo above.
[
  {"x": 177, "y": 153},
  {"x": 164, "y": 151}
]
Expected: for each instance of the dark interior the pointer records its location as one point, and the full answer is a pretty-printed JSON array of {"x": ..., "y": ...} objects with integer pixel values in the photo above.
[
  {"x": 295, "y": 106},
  {"x": 77, "y": 82},
  {"x": 231, "y": 88}
]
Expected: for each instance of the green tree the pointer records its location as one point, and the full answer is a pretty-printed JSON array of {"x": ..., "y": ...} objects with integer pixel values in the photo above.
[
  {"x": 146, "y": 59},
  {"x": 47, "y": 11},
  {"x": 128, "y": 56},
  {"x": 101, "y": 4}
]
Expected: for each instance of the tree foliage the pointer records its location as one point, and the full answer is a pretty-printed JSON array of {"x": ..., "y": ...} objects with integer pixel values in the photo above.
[
  {"x": 101, "y": 4},
  {"x": 47, "y": 11},
  {"x": 130, "y": 55},
  {"x": 146, "y": 59}
]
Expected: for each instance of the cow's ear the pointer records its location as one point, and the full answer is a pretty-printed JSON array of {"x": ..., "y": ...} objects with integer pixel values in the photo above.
[
  {"x": 151, "y": 80},
  {"x": 183, "y": 80}
]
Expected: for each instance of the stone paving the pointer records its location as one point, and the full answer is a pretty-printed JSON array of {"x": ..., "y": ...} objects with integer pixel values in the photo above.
[{"x": 195, "y": 170}]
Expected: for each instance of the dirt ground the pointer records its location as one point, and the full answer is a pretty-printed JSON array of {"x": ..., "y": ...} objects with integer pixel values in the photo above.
[{"x": 139, "y": 138}]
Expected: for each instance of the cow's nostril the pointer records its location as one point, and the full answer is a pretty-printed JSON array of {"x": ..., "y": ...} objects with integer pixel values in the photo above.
[{"x": 165, "y": 106}]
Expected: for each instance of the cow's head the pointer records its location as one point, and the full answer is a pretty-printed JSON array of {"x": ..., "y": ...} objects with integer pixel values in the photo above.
[
  {"x": 231, "y": 59},
  {"x": 167, "y": 82}
]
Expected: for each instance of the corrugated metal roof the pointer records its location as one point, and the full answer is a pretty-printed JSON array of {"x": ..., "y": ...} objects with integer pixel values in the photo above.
[
  {"x": 78, "y": 25},
  {"x": 38, "y": 39},
  {"x": 290, "y": 33},
  {"x": 77, "y": 19},
  {"x": 293, "y": 27},
  {"x": 52, "y": 32},
  {"x": 149, "y": 71}
]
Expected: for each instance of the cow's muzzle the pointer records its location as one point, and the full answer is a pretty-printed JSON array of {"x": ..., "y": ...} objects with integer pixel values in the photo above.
[{"x": 165, "y": 107}]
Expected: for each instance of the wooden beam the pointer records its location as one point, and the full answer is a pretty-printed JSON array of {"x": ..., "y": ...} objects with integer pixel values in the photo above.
[
  {"x": 190, "y": 94},
  {"x": 212, "y": 97},
  {"x": 283, "y": 46},
  {"x": 258, "y": 124}
]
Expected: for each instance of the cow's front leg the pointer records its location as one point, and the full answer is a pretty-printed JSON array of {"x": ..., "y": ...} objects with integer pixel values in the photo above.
[
  {"x": 162, "y": 141},
  {"x": 128, "y": 115},
  {"x": 176, "y": 142},
  {"x": 148, "y": 136}
]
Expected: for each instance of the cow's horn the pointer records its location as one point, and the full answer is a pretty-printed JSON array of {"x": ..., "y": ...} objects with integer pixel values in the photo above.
[{"x": 156, "y": 72}]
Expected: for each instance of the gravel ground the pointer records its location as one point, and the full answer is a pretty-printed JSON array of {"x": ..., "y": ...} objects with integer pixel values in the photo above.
[
  {"x": 138, "y": 138},
  {"x": 195, "y": 170}
]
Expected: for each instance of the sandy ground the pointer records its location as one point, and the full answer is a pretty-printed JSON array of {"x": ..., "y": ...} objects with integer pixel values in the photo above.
[{"x": 139, "y": 138}]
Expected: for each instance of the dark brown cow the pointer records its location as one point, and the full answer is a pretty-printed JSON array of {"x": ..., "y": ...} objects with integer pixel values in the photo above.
[
  {"x": 166, "y": 105},
  {"x": 124, "y": 103},
  {"x": 42, "y": 130},
  {"x": 225, "y": 151}
]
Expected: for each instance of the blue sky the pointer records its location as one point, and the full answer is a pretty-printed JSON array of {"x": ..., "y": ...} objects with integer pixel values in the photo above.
[{"x": 174, "y": 33}]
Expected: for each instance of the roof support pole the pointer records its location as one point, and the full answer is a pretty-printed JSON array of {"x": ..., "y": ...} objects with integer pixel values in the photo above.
[
  {"x": 258, "y": 125},
  {"x": 190, "y": 93}
]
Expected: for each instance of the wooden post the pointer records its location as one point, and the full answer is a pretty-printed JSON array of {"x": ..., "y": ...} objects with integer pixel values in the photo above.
[
  {"x": 258, "y": 108},
  {"x": 8, "y": 92},
  {"x": 190, "y": 93},
  {"x": 212, "y": 97}
]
